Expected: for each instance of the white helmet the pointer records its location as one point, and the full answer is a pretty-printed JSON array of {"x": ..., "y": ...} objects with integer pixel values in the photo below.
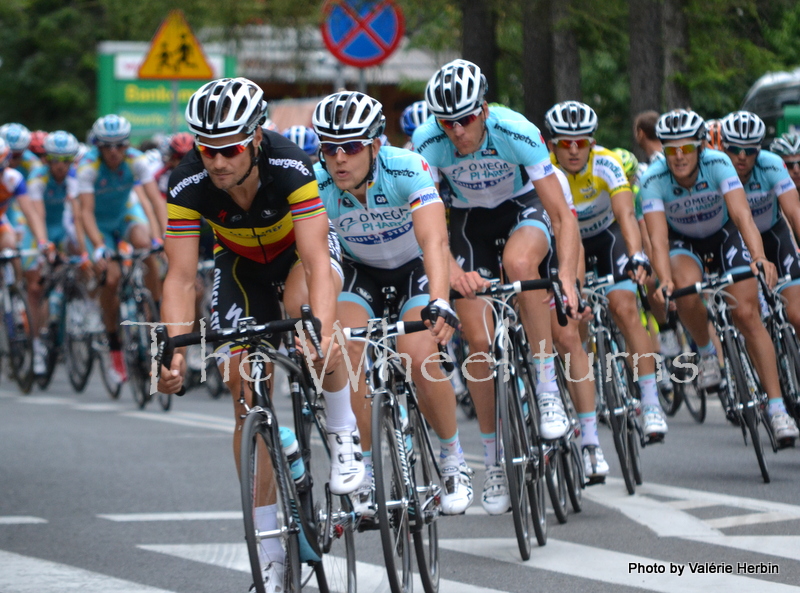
[
  {"x": 456, "y": 90},
  {"x": 571, "y": 118},
  {"x": 61, "y": 143},
  {"x": 226, "y": 107},
  {"x": 786, "y": 145},
  {"x": 349, "y": 114},
  {"x": 680, "y": 124},
  {"x": 110, "y": 129},
  {"x": 743, "y": 127},
  {"x": 17, "y": 136},
  {"x": 413, "y": 117}
]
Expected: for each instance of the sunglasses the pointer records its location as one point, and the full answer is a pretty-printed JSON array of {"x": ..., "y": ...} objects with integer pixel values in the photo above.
[
  {"x": 683, "y": 149},
  {"x": 792, "y": 164},
  {"x": 228, "y": 151},
  {"x": 60, "y": 159},
  {"x": 734, "y": 149},
  {"x": 450, "y": 124},
  {"x": 116, "y": 145},
  {"x": 349, "y": 148},
  {"x": 567, "y": 143}
]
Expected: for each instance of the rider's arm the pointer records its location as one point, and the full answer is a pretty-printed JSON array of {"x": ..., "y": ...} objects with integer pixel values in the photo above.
[
  {"x": 159, "y": 207},
  {"x": 790, "y": 205},
  {"x": 430, "y": 230},
  {"x": 658, "y": 231},
  {"x": 178, "y": 301},
  {"x": 34, "y": 214},
  {"x": 152, "y": 223},
  {"x": 311, "y": 235},
  {"x": 86, "y": 209},
  {"x": 622, "y": 205}
]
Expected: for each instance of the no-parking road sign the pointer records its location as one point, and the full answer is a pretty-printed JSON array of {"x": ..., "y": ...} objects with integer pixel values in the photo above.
[{"x": 362, "y": 33}]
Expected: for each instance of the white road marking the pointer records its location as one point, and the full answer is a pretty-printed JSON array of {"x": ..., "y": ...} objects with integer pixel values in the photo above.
[
  {"x": 145, "y": 517},
  {"x": 749, "y": 519},
  {"x": 23, "y": 574},
  {"x": 21, "y": 520},
  {"x": 46, "y": 400},
  {"x": 371, "y": 577},
  {"x": 782, "y": 546},
  {"x": 612, "y": 567},
  {"x": 209, "y": 422},
  {"x": 109, "y": 407}
]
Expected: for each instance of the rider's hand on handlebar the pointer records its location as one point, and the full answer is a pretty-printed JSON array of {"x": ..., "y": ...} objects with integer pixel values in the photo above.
[
  {"x": 171, "y": 379},
  {"x": 770, "y": 272},
  {"x": 469, "y": 283}
]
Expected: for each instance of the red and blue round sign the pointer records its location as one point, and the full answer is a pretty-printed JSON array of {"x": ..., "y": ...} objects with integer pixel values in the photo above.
[{"x": 362, "y": 33}]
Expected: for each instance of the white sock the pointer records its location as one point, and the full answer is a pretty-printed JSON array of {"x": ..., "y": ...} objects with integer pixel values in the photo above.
[
  {"x": 589, "y": 429},
  {"x": 649, "y": 389},
  {"x": 338, "y": 409},
  {"x": 266, "y": 519},
  {"x": 451, "y": 447},
  {"x": 489, "y": 448},
  {"x": 545, "y": 374}
]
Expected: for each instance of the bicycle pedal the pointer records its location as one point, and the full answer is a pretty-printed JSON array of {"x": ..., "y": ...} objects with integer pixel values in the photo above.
[
  {"x": 595, "y": 480},
  {"x": 367, "y": 523},
  {"x": 655, "y": 438},
  {"x": 787, "y": 443}
]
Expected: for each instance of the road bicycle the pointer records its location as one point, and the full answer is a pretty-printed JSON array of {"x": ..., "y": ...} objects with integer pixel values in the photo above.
[
  {"x": 618, "y": 404},
  {"x": 743, "y": 397},
  {"x": 67, "y": 331},
  {"x": 16, "y": 336},
  {"x": 313, "y": 527}
]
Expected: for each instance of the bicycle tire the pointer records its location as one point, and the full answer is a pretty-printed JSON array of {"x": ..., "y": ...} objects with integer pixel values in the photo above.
[
  {"x": 391, "y": 492},
  {"x": 425, "y": 476},
  {"x": 78, "y": 351},
  {"x": 112, "y": 384},
  {"x": 136, "y": 345},
  {"x": 617, "y": 415},
  {"x": 556, "y": 483},
  {"x": 516, "y": 457},
  {"x": 573, "y": 475},
  {"x": 735, "y": 357},
  {"x": 20, "y": 340},
  {"x": 671, "y": 400},
  {"x": 50, "y": 342},
  {"x": 259, "y": 438},
  {"x": 331, "y": 515},
  {"x": 695, "y": 400},
  {"x": 789, "y": 367}
]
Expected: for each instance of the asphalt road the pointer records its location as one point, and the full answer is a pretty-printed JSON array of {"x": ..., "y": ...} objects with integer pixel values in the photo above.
[{"x": 99, "y": 497}]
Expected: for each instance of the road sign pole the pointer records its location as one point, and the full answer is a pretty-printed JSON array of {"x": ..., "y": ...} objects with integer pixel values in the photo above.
[
  {"x": 174, "y": 117},
  {"x": 362, "y": 81}
]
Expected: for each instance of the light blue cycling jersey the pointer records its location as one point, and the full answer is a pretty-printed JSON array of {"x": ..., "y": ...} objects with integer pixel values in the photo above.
[
  {"x": 697, "y": 212},
  {"x": 381, "y": 233},
  {"x": 42, "y": 187},
  {"x": 112, "y": 189},
  {"x": 768, "y": 180},
  {"x": 29, "y": 163},
  {"x": 513, "y": 154}
]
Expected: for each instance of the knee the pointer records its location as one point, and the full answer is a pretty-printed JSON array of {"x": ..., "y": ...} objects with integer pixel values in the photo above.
[
  {"x": 522, "y": 266},
  {"x": 747, "y": 314}
]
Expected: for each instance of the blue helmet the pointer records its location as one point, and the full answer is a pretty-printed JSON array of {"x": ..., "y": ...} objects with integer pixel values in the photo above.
[
  {"x": 110, "y": 129},
  {"x": 413, "y": 117},
  {"x": 17, "y": 136},
  {"x": 61, "y": 143},
  {"x": 305, "y": 138}
]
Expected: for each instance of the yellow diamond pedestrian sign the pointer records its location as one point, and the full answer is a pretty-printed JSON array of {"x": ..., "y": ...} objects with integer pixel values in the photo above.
[{"x": 175, "y": 52}]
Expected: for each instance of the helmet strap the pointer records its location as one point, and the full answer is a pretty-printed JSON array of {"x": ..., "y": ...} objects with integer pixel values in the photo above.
[
  {"x": 253, "y": 164},
  {"x": 371, "y": 169}
]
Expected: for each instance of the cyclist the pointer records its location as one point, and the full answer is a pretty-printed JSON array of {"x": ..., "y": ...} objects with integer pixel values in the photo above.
[
  {"x": 106, "y": 176},
  {"x": 413, "y": 117},
  {"x": 178, "y": 146},
  {"x": 610, "y": 233},
  {"x": 405, "y": 248},
  {"x": 694, "y": 204},
  {"x": 305, "y": 138},
  {"x": 772, "y": 196},
  {"x": 503, "y": 186},
  {"x": 644, "y": 130},
  {"x": 788, "y": 147},
  {"x": 53, "y": 189},
  {"x": 37, "y": 143},
  {"x": 18, "y": 138},
  {"x": 258, "y": 191},
  {"x": 714, "y": 134}
]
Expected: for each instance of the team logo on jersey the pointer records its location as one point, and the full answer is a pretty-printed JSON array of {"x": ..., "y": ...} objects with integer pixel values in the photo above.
[
  {"x": 268, "y": 213},
  {"x": 347, "y": 203},
  {"x": 364, "y": 294},
  {"x": 236, "y": 218},
  {"x": 676, "y": 191},
  {"x": 381, "y": 199},
  {"x": 701, "y": 186},
  {"x": 222, "y": 214},
  {"x": 674, "y": 207},
  {"x": 754, "y": 185},
  {"x": 489, "y": 152}
]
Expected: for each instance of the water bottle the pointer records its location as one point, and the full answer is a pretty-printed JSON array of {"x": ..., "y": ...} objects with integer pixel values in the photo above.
[
  {"x": 54, "y": 301},
  {"x": 292, "y": 451},
  {"x": 405, "y": 431}
]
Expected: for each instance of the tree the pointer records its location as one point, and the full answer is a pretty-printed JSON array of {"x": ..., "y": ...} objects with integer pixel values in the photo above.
[
  {"x": 537, "y": 60},
  {"x": 676, "y": 51},
  {"x": 480, "y": 46},
  {"x": 645, "y": 62}
]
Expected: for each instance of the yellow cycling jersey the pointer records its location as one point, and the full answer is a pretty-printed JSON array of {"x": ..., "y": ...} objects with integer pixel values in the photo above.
[{"x": 593, "y": 187}]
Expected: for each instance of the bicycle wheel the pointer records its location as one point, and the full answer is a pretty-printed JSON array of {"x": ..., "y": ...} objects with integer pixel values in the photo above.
[
  {"x": 516, "y": 457},
  {"x": 736, "y": 358},
  {"x": 556, "y": 482},
  {"x": 617, "y": 416},
  {"x": 78, "y": 352},
  {"x": 20, "y": 339},
  {"x": 426, "y": 479},
  {"x": 391, "y": 492},
  {"x": 261, "y": 452},
  {"x": 330, "y": 515},
  {"x": 789, "y": 367},
  {"x": 695, "y": 399},
  {"x": 573, "y": 475},
  {"x": 670, "y": 399},
  {"x": 136, "y": 344},
  {"x": 110, "y": 378},
  {"x": 50, "y": 341}
]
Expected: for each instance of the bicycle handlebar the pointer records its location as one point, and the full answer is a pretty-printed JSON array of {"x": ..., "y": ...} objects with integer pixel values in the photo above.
[{"x": 724, "y": 280}]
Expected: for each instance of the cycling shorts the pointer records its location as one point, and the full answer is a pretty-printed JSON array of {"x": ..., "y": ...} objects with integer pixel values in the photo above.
[
  {"x": 247, "y": 288},
  {"x": 363, "y": 285},
  {"x": 121, "y": 225},
  {"x": 722, "y": 252},
  {"x": 781, "y": 250},
  {"x": 609, "y": 248},
  {"x": 474, "y": 233}
]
